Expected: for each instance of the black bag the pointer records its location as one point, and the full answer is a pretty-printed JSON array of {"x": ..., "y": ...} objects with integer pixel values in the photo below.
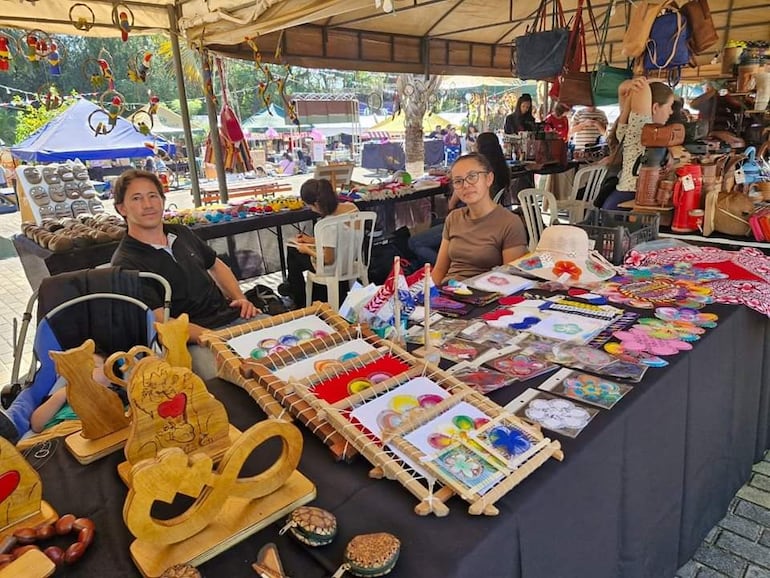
[
  {"x": 540, "y": 53},
  {"x": 384, "y": 250},
  {"x": 265, "y": 299}
]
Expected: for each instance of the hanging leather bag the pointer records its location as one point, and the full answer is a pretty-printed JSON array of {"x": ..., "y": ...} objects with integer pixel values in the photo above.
[
  {"x": 541, "y": 52},
  {"x": 662, "y": 135},
  {"x": 575, "y": 83},
  {"x": 668, "y": 44},
  {"x": 704, "y": 34},
  {"x": 606, "y": 79},
  {"x": 643, "y": 15}
]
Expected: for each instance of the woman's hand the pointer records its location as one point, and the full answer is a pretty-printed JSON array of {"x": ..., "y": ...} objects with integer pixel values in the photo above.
[
  {"x": 306, "y": 249},
  {"x": 628, "y": 87},
  {"x": 302, "y": 238}
]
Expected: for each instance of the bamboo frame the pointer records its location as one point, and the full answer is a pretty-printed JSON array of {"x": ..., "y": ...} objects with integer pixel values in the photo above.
[
  {"x": 229, "y": 362},
  {"x": 388, "y": 464}
]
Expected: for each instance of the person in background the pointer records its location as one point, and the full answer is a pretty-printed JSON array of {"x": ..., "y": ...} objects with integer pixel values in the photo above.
[
  {"x": 641, "y": 102},
  {"x": 481, "y": 235},
  {"x": 521, "y": 119},
  {"x": 589, "y": 124},
  {"x": 287, "y": 166},
  {"x": 489, "y": 145},
  {"x": 436, "y": 133},
  {"x": 678, "y": 113},
  {"x": 320, "y": 196},
  {"x": 451, "y": 138},
  {"x": 470, "y": 138},
  {"x": 149, "y": 165},
  {"x": 558, "y": 122},
  {"x": 202, "y": 285}
]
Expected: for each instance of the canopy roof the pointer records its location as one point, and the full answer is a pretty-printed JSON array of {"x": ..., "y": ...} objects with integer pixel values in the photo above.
[
  {"x": 395, "y": 124},
  {"x": 68, "y": 137},
  {"x": 420, "y": 36}
]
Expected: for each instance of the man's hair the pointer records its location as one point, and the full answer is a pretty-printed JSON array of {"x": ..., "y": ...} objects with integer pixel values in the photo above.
[{"x": 124, "y": 181}]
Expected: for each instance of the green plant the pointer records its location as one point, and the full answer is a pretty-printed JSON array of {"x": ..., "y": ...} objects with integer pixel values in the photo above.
[{"x": 31, "y": 118}]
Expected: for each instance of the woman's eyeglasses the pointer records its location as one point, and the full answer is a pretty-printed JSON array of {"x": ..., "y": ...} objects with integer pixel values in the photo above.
[{"x": 471, "y": 179}]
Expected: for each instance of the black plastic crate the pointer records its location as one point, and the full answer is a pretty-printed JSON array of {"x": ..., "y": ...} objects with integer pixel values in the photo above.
[{"x": 617, "y": 232}]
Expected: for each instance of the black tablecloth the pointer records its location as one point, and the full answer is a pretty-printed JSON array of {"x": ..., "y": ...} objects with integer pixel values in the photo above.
[{"x": 636, "y": 493}]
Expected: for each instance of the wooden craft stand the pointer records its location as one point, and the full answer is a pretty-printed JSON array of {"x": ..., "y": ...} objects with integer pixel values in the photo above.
[
  {"x": 171, "y": 408},
  {"x": 178, "y": 433},
  {"x": 284, "y": 392},
  {"x": 388, "y": 465},
  {"x": 21, "y": 493},
  {"x": 229, "y": 362}
]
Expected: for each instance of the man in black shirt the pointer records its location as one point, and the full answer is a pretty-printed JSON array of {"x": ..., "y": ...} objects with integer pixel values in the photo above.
[{"x": 202, "y": 285}]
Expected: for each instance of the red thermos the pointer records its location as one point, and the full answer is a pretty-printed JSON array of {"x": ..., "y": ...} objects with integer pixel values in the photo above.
[{"x": 687, "y": 190}]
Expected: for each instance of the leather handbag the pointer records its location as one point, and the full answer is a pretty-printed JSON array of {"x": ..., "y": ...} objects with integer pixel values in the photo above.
[
  {"x": 647, "y": 186},
  {"x": 703, "y": 33},
  {"x": 643, "y": 15},
  {"x": 606, "y": 79},
  {"x": 575, "y": 84},
  {"x": 662, "y": 135},
  {"x": 668, "y": 45},
  {"x": 541, "y": 53},
  {"x": 576, "y": 88}
]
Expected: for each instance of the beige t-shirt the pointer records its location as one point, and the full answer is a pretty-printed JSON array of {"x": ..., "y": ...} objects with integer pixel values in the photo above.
[{"x": 476, "y": 245}]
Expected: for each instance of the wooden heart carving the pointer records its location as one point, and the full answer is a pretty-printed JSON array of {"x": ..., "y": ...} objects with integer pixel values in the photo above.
[
  {"x": 173, "y": 407},
  {"x": 9, "y": 481}
]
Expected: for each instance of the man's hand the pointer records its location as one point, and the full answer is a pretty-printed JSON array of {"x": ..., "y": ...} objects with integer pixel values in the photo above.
[{"x": 248, "y": 310}]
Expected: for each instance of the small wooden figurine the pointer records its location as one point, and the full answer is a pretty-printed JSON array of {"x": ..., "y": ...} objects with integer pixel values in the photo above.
[
  {"x": 105, "y": 423},
  {"x": 173, "y": 337}
]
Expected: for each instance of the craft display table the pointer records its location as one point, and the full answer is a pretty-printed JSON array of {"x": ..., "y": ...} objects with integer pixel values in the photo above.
[{"x": 635, "y": 495}]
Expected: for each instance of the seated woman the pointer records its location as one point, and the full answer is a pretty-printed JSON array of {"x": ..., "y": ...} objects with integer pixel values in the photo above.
[
  {"x": 319, "y": 195},
  {"x": 287, "y": 165},
  {"x": 425, "y": 245},
  {"x": 641, "y": 102},
  {"x": 482, "y": 234}
]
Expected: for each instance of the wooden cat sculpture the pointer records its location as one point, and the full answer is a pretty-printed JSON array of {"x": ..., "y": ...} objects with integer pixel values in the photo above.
[
  {"x": 173, "y": 335},
  {"x": 99, "y": 408}
]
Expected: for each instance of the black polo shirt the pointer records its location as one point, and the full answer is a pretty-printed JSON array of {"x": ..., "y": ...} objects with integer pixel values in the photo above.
[{"x": 193, "y": 290}]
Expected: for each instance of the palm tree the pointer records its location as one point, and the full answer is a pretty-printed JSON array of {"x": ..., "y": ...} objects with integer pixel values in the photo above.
[{"x": 415, "y": 94}]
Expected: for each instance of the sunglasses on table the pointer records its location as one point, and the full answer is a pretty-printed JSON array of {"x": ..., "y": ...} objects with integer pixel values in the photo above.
[{"x": 471, "y": 179}]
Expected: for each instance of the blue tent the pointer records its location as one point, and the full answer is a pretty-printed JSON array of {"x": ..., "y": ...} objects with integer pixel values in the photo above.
[{"x": 68, "y": 137}]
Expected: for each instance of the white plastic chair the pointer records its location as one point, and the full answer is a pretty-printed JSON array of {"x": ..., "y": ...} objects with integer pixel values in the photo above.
[
  {"x": 591, "y": 178},
  {"x": 351, "y": 253},
  {"x": 531, "y": 201}
]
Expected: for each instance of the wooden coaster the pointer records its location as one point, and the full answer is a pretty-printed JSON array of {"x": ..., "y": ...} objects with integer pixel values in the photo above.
[{"x": 237, "y": 520}]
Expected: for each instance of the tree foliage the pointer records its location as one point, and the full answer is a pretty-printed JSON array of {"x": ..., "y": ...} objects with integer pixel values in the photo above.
[{"x": 32, "y": 117}]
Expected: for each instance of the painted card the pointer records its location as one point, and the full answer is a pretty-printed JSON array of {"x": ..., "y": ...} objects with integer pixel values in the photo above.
[
  {"x": 264, "y": 342},
  {"x": 471, "y": 471},
  {"x": 482, "y": 379},
  {"x": 481, "y": 332},
  {"x": 319, "y": 362},
  {"x": 586, "y": 388},
  {"x": 500, "y": 282},
  {"x": 563, "y": 416},
  {"x": 454, "y": 425},
  {"x": 568, "y": 327},
  {"x": 387, "y": 411},
  {"x": 521, "y": 365},
  {"x": 458, "y": 350}
]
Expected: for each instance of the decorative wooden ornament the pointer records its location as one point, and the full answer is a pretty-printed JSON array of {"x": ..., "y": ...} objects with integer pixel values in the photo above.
[
  {"x": 104, "y": 420},
  {"x": 21, "y": 493},
  {"x": 171, "y": 408},
  {"x": 227, "y": 508},
  {"x": 268, "y": 564},
  {"x": 173, "y": 335}
]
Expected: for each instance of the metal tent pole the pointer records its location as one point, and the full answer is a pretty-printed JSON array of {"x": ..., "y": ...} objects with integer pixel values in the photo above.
[{"x": 191, "y": 160}]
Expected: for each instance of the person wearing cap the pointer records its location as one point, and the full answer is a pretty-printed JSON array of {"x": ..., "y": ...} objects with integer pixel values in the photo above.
[{"x": 482, "y": 234}]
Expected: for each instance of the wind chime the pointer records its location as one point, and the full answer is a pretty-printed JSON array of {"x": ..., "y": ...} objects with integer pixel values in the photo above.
[{"x": 280, "y": 82}]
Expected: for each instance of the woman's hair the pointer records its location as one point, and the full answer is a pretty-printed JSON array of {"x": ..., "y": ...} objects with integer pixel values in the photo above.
[
  {"x": 488, "y": 145},
  {"x": 561, "y": 109},
  {"x": 661, "y": 92},
  {"x": 129, "y": 176},
  {"x": 320, "y": 191},
  {"x": 525, "y": 97}
]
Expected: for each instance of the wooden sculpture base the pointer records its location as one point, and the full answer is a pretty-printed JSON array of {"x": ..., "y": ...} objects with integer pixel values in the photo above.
[
  {"x": 32, "y": 564},
  {"x": 124, "y": 468},
  {"x": 87, "y": 451},
  {"x": 45, "y": 515},
  {"x": 237, "y": 520}
]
